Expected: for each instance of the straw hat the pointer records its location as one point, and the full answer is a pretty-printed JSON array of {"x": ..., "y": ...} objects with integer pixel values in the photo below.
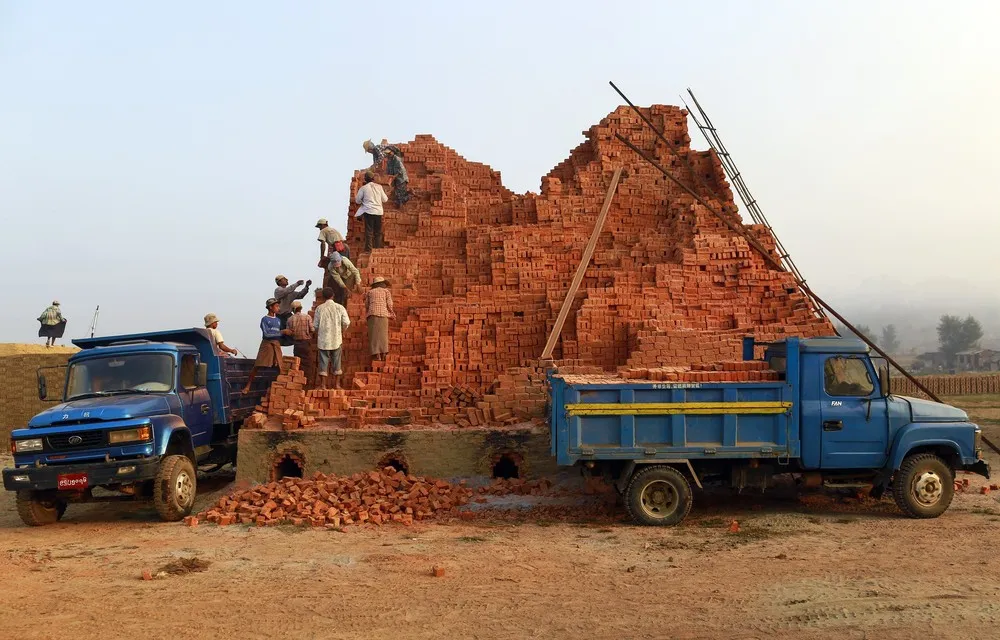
[
  {"x": 210, "y": 319},
  {"x": 379, "y": 280}
]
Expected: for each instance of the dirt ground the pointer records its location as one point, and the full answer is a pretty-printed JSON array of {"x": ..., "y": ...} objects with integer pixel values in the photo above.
[{"x": 812, "y": 566}]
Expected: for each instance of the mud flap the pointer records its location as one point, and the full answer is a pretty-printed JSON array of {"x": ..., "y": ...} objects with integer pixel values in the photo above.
[{"x": 981, "y": 467}]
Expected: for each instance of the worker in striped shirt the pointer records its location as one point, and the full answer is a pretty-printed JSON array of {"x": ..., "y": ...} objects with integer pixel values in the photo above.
[{"x": 378, "y": 311}]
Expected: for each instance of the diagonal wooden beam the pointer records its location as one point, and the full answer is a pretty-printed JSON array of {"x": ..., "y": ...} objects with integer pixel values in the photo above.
[{"x": 588, "y": 253}]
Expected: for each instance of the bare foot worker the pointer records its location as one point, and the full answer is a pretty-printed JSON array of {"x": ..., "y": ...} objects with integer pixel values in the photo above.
[
  {"x": 52, "y": 324},
  {"x": 269, "y": 353}
]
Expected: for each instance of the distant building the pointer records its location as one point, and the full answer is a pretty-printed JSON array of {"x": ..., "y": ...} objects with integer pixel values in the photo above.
[
  {"x": 978, "y": 360},
  {"x": 930, "y": 361}
]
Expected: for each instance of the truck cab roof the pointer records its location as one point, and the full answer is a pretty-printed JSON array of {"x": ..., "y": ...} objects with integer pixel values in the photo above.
[
  {"x": 833, "y": 344},
  {"x": 825, "y": 344},
  {"x": 167, "y": 341}
]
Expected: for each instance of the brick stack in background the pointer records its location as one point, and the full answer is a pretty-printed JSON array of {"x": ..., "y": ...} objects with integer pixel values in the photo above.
[
  {"x": 19, "y": 401},
  {"x": 478, "y": 275}
]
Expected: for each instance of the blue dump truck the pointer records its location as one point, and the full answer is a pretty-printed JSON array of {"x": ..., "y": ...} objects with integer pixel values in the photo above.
[
  {"x": 139, "y": 415},
  {"x": 829, "y": 420}
]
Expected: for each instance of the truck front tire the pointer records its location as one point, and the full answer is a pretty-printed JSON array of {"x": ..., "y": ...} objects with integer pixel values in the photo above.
[
  {"x": 38, "y": 513},
  {"x": 658, "y": 495},
  {"x": 924, "y": 486},
  {"x": 174, "y": 488}
]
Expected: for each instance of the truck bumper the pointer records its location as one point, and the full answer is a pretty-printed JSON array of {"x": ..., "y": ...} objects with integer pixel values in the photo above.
[
  {"x": 46, "y": 478},
  {"x": 980, "y": 466}
]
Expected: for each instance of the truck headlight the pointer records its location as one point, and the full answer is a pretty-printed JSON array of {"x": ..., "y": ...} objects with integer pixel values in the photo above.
[
  {"x": 28, "y": 445},
  {"x": 139, "y": 434}
]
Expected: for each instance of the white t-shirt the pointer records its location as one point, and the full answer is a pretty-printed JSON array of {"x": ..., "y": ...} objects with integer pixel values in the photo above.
[
  {"x": 370, "y": 197},
  {"x": 217, "y": 336}
]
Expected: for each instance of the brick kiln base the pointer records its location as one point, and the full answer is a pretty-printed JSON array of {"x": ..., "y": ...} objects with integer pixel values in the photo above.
[{"x": 438, "y": 453}]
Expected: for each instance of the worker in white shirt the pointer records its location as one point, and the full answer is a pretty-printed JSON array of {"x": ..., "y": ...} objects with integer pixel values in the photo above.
[
  {"x": 371, "y": 196},
  {"x": 212, "y": 324}
]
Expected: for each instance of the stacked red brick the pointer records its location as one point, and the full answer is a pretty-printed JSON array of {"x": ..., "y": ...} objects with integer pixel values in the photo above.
[{"x": 478, "y": 275}]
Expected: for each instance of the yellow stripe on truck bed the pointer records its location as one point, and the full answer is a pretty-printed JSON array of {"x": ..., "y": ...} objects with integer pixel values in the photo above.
[{"x": 672, "y": 408}]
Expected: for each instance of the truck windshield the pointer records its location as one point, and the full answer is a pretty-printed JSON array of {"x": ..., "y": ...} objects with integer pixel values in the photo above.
[{"x": 133, "y": 373}]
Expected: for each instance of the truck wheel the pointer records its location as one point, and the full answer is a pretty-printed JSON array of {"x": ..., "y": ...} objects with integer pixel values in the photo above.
[
  {"x": 658, "y": 495},
  {"x": 924, "y": 486},
  {"x": 37, "y": 513},
  {"x": 174, "y": 488}
]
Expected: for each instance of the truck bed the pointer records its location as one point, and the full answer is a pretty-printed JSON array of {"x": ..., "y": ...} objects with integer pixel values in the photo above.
[
  {"x": 609, "y": 418},
  {"x": 235, "y": 372}
]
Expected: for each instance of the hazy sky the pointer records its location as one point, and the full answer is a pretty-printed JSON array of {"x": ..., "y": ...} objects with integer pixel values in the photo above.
[{"x": 166, "y": 161}]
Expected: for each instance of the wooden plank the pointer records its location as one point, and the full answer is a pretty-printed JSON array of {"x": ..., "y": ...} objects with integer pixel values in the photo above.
[{"x": 588, "y": 253}]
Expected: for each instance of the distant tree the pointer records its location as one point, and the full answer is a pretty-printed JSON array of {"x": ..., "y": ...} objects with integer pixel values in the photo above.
[
  {"x": 847, "y": 333},
  {"x": 890, "y": 339},
  {"x": 955, "y": 335}
]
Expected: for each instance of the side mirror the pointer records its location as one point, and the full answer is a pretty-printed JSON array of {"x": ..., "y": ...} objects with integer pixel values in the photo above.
[
  {"x": 43, "y": 388},
  {"x": 201, "y": 375},
  {"x": 883, "y": 380}
]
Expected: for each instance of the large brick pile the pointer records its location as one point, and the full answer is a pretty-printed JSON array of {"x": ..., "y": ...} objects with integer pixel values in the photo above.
[
  {"x": 478, "y": 275},
  {"x": 376, "y": 497}
]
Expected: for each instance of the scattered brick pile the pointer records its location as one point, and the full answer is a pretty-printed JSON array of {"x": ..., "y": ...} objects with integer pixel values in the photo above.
[
  {"x": 479, "y": 273},
  {"x": 376, "y": 497},
  {"x": 518, "y": 486}
]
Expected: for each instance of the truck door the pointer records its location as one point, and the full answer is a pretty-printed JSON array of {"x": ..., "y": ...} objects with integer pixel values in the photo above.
[
  {"x": 853, "y": 415},
  {"x": 196, "y": 402}
]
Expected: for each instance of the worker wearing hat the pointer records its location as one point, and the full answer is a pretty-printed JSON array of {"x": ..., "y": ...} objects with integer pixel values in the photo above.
[
  {"x": 52, "y": 324},
  {"x": 212, "y": 324},
  {"x": 344, "y": 276},
  {"x": 285, "y": 294},
  {"x": 330, "y": 240},
  {"x": 378, "y": 311},
  {"x": 269, "y": 353}
]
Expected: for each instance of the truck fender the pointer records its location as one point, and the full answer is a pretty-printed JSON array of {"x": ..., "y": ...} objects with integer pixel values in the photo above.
[
  {"x": 906, "y": 441},
  {"x": 635, "y": 465},
  {"x": 173, "y": 436},
  {"x": 909, "y": 439}
]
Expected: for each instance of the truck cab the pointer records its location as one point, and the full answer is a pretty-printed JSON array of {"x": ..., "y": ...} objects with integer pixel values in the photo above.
[{"x": 139, "y": 415}]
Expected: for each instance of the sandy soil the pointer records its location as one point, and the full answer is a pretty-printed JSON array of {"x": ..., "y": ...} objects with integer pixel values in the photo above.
[{"x": 800, "y": 567}]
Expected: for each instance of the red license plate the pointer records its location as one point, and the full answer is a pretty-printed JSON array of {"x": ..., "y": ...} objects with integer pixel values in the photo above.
[{"x": 71, "y": 481}]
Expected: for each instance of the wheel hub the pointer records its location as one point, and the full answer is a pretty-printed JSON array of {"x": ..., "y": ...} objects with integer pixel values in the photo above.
[
  {"x": 184, "y": 489},
  {"x": 927, "y": 487},
  {"x": 659, "y": 499}
]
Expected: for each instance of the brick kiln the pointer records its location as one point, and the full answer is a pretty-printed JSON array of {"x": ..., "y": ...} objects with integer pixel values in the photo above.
[{"x": 479, "y": 273}]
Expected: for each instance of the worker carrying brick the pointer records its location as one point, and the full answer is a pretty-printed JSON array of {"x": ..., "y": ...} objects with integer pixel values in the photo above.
[
  {"x": 269, "y": 352},
  {"x": 378, "y": 152},
  {"x": 330, "y": 322},
  {"x": 52, "y": 324},
  {"x": 400, "y": 179},
  {"x": 212, "y": 324},
  {"x": 378, "y": 311},
  {"x": 371, "y": 196},
  {"x": 344, "y": 274},
  {"x": 330, "y": 240},
  {"x": 285, "y": 295}
]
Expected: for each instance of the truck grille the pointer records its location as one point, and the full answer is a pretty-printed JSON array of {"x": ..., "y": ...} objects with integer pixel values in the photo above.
[{"x": 61, "y": 442}]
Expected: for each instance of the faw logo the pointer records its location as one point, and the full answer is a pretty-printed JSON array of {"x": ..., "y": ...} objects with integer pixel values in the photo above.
[{"x": 837, "y": 403}]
